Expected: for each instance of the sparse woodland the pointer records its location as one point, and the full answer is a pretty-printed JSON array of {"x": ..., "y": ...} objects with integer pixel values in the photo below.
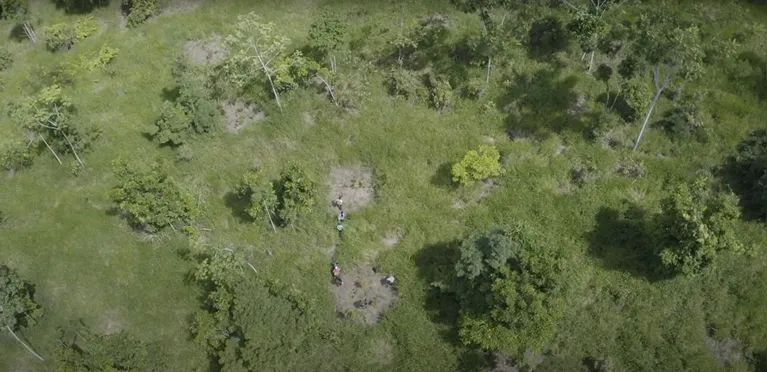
[{"x": 506, "y": 185}]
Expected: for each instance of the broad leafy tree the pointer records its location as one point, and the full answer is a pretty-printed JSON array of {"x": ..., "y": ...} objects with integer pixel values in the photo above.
[
  {"x": 150, "y": 198},
  {"x": 18, "y": 308},
  {"x": 297, "y": 192},
  {"x": 697, "y": 224},
  {"x": 478, "y": 165},
  {"x": 509, "y": 292},
  {"x": 254, "y": 47},
  {"x": 172, "y": 126},
  {"x": 262, "y": 200},
  {"x": 80, "y": 350}
]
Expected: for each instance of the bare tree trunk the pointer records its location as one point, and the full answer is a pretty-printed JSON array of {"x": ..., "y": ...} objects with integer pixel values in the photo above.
[
  {"x": 269, "y": 214},
  {"x": 616, "y": 99},
  {"x": 73, "y": 151},
  {"x": 268, "y": 73},
  {"x": 29, "y": 31},
  {"x": 329, "y": 89},
  {"x": 591, "y": 63},
  {"x": 658, "y": 90},
  {"x": 487, "y": 74},
  {"x": 49, "y": 148},
  {"x": 24, "y": 344}
]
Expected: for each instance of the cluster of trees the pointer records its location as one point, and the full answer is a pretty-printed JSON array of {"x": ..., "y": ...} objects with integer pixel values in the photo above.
[
  {"x": 287, "y": 199},
  {"x": 244, "y": 316}
]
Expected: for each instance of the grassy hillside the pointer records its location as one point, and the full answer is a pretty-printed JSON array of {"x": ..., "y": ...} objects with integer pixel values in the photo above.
[{"x": 64, "y": 235}]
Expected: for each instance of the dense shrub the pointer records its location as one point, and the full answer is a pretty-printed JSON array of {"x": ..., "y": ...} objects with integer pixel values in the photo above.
[
  {"x": 697, "y": 224},
  {"x": 85, "y": 27},
  {"x": 635, "y": 99},
  {"x": 547, "y": 35},
  {"x": 139, "y": 10},
  {"x": 6, "y": 59},
  {"x": 260, "y": 195},
  {"x": 59, "y": 36},
  {"x": 172, "y": 126},
  {"x": 478, "y": 165},
  {"x": 440, "y": 92},
  {"x": 296, "y": 192},
  {"x": 631, "y": 67},
  {"x": 473, "y": 88},
  {"x": 150, "y": 198},
  {"x": 99, "y": 61},
  {"x": 407, "y": 84}
]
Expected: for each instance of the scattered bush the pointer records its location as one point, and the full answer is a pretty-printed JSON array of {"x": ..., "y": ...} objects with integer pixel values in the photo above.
[
  {"x": 16, "y": 157},
  {"x": 139, "y": 10},
  {"x": 99, "y": 61},
  {"x": 631, "y": 169},
  {"x": 631, "y": 67},
  {"x": 601, "y": 122},
  {"x": 204, "y": 113},
  {"x": 350, "y": 91},
  {"x": 85, "y": 27},
  {"x": 478, "y": 165},
  {"x": 59, "y": 36},
  {"x": 6, "y": 59},
  {"x": 440, "y": 92},
  {"x": 687, "y": 118},
  {"x": 473, "y": 88},
  {"x": 150, "y": 198}
]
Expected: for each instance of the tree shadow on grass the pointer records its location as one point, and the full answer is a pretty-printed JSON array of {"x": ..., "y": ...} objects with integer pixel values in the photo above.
[
  {"x": 17, "y": 33},
  {"x": 539, "y": 104},
  {"x": 80, "y": 6},
  {"x": 623, "y": 240},
  {"x": 443, "y": 177},
  {"x": 436, "y": 264},
  {"x": 239, "y": 206},
  {"x": 745, "y": 176}
]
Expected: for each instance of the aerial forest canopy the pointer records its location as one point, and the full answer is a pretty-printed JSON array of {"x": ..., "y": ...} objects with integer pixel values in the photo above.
[{"x": 402, "y": 185}]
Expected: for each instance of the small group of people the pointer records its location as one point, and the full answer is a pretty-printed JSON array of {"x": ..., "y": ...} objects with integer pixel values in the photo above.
[
  {"x": 336, "y": 271},
  {"x": 342, "y": 215}
]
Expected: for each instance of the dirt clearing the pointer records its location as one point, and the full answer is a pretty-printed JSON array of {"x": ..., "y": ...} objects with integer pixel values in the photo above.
[
  {"x": 354, "y": 185},
  {"x": 239, "y": 114},
  {"x": 204, "y": 52},
  {"x": 364, "y": 297}
]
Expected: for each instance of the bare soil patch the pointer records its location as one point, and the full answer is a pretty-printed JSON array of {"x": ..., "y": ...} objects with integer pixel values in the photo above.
[
  {"x": 239, "y": 114},
  {"x": 110, "y": 322},
  {"x": 180, "y": 6},
  {"x": 309, "y": 119},
  {"x": 383, "y": 351},
  {"x": 354, "y": 185},
  {"x": 205, "y": 52},
  {"x": 364, "y": 297},
  {"x": 726, "y": 352},
  {"x": 392, "y": 238}
]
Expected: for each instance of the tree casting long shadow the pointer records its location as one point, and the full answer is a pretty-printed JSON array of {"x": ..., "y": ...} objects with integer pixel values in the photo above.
[{"x": 623, "y": 240}]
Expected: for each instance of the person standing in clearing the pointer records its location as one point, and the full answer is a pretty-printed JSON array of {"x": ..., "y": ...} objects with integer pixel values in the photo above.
[{"x": 340, "y": 202}]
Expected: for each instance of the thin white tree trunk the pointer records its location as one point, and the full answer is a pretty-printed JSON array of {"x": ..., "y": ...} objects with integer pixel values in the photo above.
[
  {"x": 658, "y": 90},
  {"x": 591, "y": 63},
  {"x": 269, "y": 214},
  {"x": 29, "y": 31},
  {"x": 329, "y": 89},
  {"x": 24, "y": 344},
  {"x": 49, "y": 148},
  {"x": 73, "y": 151},
  {"x": 487, "y": 74}
]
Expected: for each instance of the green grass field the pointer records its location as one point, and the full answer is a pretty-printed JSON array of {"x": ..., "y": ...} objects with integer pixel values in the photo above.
[{"x": 88, "y": 265}]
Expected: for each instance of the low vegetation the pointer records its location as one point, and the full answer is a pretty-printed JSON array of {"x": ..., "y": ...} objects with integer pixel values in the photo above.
[{"x": 536, "y": 185}]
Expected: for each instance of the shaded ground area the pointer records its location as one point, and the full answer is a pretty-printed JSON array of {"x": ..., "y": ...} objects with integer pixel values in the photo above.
[
  {"x": 354, "y": 184},
  {"x": 364, "y": 297},
  {"x": 239, "y": 114}
]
